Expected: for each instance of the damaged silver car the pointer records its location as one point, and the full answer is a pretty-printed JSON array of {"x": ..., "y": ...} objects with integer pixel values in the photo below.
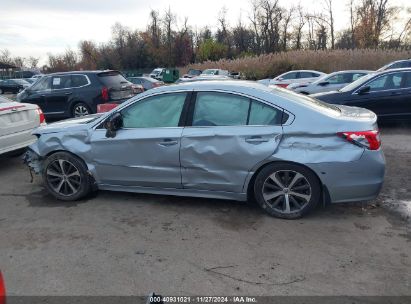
[{"x": 219, "y": 139}]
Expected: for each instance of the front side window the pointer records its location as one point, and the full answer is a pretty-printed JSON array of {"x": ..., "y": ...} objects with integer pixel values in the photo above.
[
  {"x": 219, "y": 109},
  {"x": 155, "y": 112},
  {"x": 292, "y": 75},
  {"x": 386, "y": 82},
  {"x": 337, "y": 79},
  {"x": 42, "y": 85}
]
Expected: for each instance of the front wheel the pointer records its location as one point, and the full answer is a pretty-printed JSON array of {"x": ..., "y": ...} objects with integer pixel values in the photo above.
[
  {"x": 287, "y": 190},
  {"x": 65, "y": 177}
]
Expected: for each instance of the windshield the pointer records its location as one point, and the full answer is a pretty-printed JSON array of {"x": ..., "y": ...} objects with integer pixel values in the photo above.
[
  {"x": 209, "y": 72},
  {"x": 357, "y": 83}
]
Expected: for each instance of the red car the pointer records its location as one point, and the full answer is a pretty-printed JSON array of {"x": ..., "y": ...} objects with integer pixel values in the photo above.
[{"x": 2, "y": 290}]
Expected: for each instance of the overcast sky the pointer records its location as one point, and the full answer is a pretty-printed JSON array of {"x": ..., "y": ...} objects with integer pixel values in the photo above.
[{"x": 38, "y": 27}]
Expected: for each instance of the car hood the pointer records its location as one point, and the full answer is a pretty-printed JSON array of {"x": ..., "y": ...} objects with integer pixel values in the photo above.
[{"x": 72, "y": 124}]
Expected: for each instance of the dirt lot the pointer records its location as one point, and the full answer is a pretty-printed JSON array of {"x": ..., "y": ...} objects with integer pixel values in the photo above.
[{"x": 131, "y": 244}]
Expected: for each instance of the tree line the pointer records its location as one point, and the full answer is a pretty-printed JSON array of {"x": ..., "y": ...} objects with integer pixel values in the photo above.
[{"x": 268, "y": 27}]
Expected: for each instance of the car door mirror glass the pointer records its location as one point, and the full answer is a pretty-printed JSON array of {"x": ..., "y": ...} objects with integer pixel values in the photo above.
[
  {"x": 364, "y": 90},
  {"x": 113, "y": 124}
]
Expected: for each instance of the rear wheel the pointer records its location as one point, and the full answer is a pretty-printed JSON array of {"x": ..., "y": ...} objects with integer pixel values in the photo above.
[
  {"x": 66, "y": 177},
  {"x": 80, "y": 109},
  {"x": 287, "y": 190}
]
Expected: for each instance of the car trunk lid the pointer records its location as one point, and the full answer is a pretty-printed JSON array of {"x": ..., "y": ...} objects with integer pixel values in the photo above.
[{"x": 15, "y": 117}]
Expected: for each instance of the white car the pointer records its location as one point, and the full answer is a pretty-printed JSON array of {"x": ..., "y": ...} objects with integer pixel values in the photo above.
[
  {"x": 17, "y": 121},
  {"x": 287, "y": 78},
  {"x": 327, "y": 83}
]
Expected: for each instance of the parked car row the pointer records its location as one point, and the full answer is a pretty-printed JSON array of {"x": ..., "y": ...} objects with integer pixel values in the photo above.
[
  {"x": 72, "y": 94},
  {"x": 13, "y": 86}
]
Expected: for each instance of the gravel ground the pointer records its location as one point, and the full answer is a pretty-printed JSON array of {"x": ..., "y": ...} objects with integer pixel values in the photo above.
[{"x": 132, "y": 244}]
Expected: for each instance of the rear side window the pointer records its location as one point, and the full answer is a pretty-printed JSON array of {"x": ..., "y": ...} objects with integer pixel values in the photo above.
[
  {"x": 78, "y": 81},
  {"x": 219, "y": 109},
  {"x": 112, "y": 79},
  {"x": 307, "y": 75}
]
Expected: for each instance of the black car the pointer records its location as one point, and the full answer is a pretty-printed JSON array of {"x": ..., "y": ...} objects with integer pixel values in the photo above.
[
  {"x": 399, "y": 64},
  {"x": 387, "y": 93},
  {"x": 13, "y": 85},
  {"x": 147, "y": 82},
  {"x": 73, "y": 94}
]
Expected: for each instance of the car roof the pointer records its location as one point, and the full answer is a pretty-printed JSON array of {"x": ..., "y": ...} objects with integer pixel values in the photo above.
[
  {"x": 82, "y": 72},
  {"x": 394, "y": 70}
]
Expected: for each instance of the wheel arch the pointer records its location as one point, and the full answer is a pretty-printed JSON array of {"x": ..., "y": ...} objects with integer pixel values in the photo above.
[
  {"x": 250, "y": 186},
  {"x": 89, "y": 170}
]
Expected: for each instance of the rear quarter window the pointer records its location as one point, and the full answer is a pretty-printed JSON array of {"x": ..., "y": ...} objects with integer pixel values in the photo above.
[
  {"x": 78, "y": 81},
  {"x": 111, "y": 79}
]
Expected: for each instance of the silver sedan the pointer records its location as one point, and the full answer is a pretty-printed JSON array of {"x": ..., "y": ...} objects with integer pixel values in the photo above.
[
  {"x": 218, "y": 139},
  {"x": 327, "y": 83}
]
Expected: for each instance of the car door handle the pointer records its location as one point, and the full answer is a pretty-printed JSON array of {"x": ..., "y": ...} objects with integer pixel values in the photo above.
[
  {"x": 396, "y": 93},
  {"x": 68, "y": 93},
  {"x": 256, "y": 139},
  {"x": 168, "y": 142}
]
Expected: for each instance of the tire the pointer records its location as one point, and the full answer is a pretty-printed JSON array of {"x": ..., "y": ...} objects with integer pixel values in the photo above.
[
  {"x": 66, "y": 177},
  {"x": 80, "y": 109},
  {"x": 273, "y": 193}
]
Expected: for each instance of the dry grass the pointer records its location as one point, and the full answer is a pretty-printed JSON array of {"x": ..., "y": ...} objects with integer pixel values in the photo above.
[{"x": 270, "y": 65}]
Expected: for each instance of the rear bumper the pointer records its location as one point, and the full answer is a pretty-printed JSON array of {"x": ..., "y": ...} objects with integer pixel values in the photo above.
[
  {"x": 360, "y": 180},
  {"x": 16, "y": 141}
]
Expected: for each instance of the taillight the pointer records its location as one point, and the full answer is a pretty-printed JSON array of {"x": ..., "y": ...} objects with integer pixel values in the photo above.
[
  {"x": 2, "y": 291},
  {"x": 41, "y": 116},
  {"x": 104, "y": 94},
  {"x": 368, "y": 139}
]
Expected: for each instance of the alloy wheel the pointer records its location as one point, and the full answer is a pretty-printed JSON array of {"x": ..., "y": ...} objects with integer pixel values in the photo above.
[
  {"x": 80, "y": 110},
  {"x": 286, "y": 191},
  {"x": 63, "y": 177}
]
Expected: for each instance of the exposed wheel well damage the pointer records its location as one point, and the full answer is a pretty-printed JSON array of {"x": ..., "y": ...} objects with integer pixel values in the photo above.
[
  {"x": 250, "y": 187},
  {"x": 93, "y": 180}
]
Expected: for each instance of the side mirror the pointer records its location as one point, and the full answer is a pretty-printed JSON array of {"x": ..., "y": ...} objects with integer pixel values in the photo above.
[
  {"x": 324, "y": 83},
  {"x": 279, "y": 78},
  {"x": 364, "y": 90},
  {"x": 113, "y": 124}
]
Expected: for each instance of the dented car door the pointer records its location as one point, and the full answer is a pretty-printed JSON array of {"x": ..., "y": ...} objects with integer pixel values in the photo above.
[
  {"x": 227, "y": 135},
  {"x": 145, "y": 152}
]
